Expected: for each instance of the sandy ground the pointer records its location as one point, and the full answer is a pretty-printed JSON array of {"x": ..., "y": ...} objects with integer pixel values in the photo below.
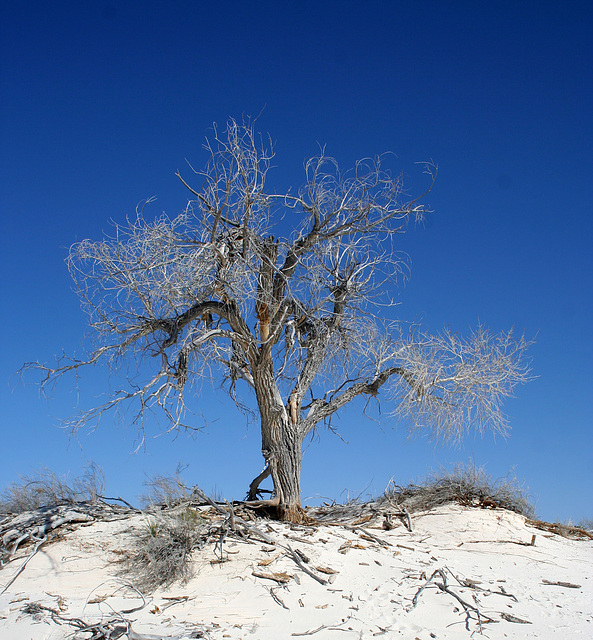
[{"x": 460, "y": 573}]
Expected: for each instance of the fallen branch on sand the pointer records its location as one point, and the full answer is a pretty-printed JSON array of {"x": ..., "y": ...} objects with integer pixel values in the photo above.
[
  {"x": 564, "y": 530},
  {"x": 337, "y": 627},
  {"x": 560, "y": 583},
  {"x": 297, "y": 557},
  {"x": 444, "y": 587},
  {"x": 509, "y": 618},
  {"x": 22, "y": 568},
  {"x": 41, "y": 526},
  {"x": 115, "y": 626},
  {"x": 280, "y": 577}
]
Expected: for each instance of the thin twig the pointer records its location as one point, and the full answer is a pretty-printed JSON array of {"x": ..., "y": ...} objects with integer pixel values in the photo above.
[{"x": 277, "y": 598}]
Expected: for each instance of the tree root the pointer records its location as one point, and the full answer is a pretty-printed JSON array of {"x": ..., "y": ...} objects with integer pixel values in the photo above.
[{"x": 254, "y": 490}]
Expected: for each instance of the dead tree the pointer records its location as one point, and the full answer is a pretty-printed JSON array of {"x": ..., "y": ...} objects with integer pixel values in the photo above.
[{"x": 220, "y": 291}]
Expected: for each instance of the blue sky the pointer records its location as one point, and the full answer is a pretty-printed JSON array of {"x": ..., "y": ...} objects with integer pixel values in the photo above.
[{"x": 101, "y": 103}]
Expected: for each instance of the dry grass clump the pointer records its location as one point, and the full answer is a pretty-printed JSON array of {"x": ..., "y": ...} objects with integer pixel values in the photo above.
[
  {"x": 162, "y": 550},
  {"x": 164, "y": 490},
  {"x": 47, "y": 489},
  {"x": 467, "y": 485},
  {"x": 586, "y": 523}
]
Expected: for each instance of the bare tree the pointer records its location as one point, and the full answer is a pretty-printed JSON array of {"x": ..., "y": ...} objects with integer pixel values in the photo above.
[{"x": 218, "y": 292}]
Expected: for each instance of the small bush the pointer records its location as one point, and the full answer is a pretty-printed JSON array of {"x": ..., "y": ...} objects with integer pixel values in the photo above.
[
  {"x": 47, "y": 489},
  {"x": 164, "y": 490},
  {"x": 466, "y": 485},
  {"x": 586, "y": 523},
  {"x": 163, "y": 549}
]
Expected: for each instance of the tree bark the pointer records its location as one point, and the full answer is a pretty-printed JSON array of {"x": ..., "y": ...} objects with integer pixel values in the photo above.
[{"x": 281, "y": 448}]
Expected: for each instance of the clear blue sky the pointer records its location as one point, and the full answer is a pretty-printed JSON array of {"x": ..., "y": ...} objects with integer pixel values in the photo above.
[{"x": 100, "y": 103}]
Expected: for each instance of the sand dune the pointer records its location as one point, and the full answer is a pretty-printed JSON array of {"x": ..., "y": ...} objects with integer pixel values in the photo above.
[{"x": 459, "y": 573}]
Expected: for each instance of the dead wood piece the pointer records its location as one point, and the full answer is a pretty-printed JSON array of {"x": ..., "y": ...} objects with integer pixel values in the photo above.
[
  {"x": 108, "y": 629},
  {"x": 560, "y": 583},
  {"x": 295, "y": 556},
  {"x": 566, "y": 531},
  {"x": 337, "y": 627},
  {"x": 382, "y": 631},
  {"x": 519, "y": 542},
  {"x": 405, "y": 517},
  {"x": 266, "y": 561},
  {"x": 22, "y": 568},
  {"x": 509, "y": 618},
  {"x": 445, "y": 588},
  {"x": 469, "y": 582},
  {"x": 219, "y": 561},
  {"x": 31, "y": 525},
  {"x": 302, "y": 556},
  {"x": 327, "y": 570},
  {"x": 255, "y": 532},
  {"x": 298, "y": 539},
  {"x": 120, "y": 499},
  {"x": 475, "y": 585},
  {"x": 311, "y": 632},
  {"x": 280, "y": 577},
  {"x": 254, "y": 489},
  {"x": 99, "y": 598},
  {"x": 174, "y": 600},
  {"x": 277, "y": 598},
  {"x": 234, "y": 520},
  {"x": 366, "y": 535},
  {"x": 363, "y": 519},
  {"x": 231, "y": 516},
  {"x": 350, "y": 545}
]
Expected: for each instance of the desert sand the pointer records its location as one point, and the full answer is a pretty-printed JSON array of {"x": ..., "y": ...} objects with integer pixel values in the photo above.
[{"x": 460, "y": 573}]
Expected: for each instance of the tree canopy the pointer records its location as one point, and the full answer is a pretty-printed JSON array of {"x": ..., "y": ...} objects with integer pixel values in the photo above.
[{"x": 303, "y": 319}]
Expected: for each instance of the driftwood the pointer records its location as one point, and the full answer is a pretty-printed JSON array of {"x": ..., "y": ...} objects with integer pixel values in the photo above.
[
  {"x": 41, "y": 526},
  {"x": 337, "y": 627},
  {"x": 23, "y": 566},
  {"x": 560, "y": 583},
  {"x": 564, "y": 530},
  {"x": 115, "y": 626},
  {"x": 234, "y": 521},
  {"x": 475, "y": 585},
  {"x": 531, "y": 543},
  {"x": 509, "y": 618},
  {"x": 277, "y": 598},
  {"x": 280, "y": 577},
  {"x": 297, "y": 556},
  {"x": 471, "y": 609},
  {"x": 445, "y": 588}
]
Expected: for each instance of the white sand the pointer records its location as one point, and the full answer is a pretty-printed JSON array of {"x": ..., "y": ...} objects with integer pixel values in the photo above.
[{"x": 371, "y": 595}]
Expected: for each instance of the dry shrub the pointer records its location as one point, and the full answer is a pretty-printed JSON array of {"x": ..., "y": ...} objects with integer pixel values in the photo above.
[
  {"x": 45, "y": 488},
  {"x": 162, "y": 551},
  {"x": 163, "y": 490},
  {"x": 586, "y": 523},
  {"x": 467, "y": 485}
]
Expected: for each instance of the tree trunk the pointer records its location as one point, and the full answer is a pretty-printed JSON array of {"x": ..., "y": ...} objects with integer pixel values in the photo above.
[{"x": 281, "y": 448}]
